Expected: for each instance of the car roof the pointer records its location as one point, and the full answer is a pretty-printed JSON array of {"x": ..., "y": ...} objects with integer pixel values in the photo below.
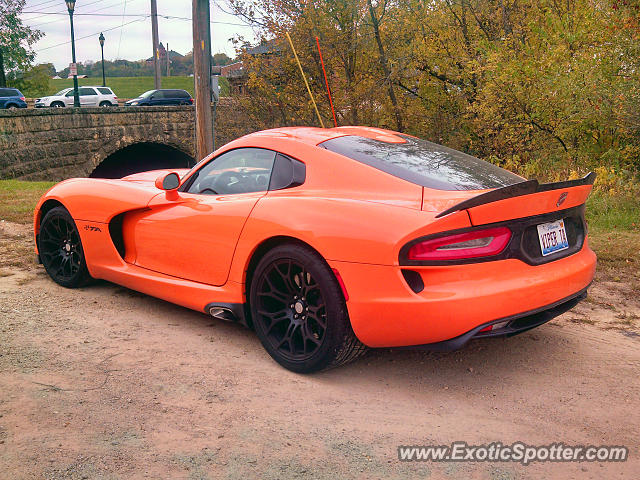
[{"x": 315, "y": 135}]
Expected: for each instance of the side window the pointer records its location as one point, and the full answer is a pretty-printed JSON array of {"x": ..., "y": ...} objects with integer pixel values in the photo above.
[
  {"x": 86, "y": 91},
  {"x": 105, "y": 91},
  {"x": 70, "y": 93},
  {"x": 243, "y": 170},
  {"x": 287, "y": 173},
  {"x": 158, "y": 95}
]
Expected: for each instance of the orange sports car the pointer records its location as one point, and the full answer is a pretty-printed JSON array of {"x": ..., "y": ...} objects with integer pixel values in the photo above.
[{"x": 326, "y": 241}]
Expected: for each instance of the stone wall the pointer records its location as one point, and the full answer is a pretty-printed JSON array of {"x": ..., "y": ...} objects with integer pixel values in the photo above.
[{"x": 54, "y": 144}]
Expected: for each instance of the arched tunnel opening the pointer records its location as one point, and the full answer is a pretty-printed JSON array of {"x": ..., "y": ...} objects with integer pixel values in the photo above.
[{"x": 141, "y": 157}]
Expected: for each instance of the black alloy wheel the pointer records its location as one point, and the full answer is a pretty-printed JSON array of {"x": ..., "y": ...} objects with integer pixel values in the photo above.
[
  {"x": 60, "y": 249},
  {"x": 299, "y": 312}
]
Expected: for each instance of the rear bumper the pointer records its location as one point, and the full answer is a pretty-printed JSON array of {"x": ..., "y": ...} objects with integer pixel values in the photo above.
[
  {"x": 458, "y": 299},
  {"x": 514, "y": 325}
]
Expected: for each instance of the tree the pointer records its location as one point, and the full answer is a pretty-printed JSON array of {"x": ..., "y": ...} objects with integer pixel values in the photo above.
[
  {"x": 16, "y": 39},
  {"x": 550, "y": 89}
]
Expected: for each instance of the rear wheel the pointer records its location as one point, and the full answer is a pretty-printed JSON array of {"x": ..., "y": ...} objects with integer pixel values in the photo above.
[
  {"x": 106, "y": 104},
  {"x": 57, "y": 104},
  {"x": 61, "y": 250},
  {"x": 299, "y": 312}
]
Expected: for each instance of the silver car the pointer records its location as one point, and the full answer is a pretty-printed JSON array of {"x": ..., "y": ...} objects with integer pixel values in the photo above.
[{"x": 89, "y": 97}]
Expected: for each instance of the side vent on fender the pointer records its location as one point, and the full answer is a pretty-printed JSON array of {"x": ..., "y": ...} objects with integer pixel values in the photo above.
[{"x": 115, "y": 231}]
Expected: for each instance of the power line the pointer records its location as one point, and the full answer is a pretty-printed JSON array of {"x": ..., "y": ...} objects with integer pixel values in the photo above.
[
  {"x": 43, "y": 3},
  {"x": 166, "y": 17},
  {"x": 93, "y": 34}
]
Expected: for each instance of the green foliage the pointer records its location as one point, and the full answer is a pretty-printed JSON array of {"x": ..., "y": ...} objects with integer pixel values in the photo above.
[
  {"x": 35, "y": 81},
  {"x": 548, "y": 89},
  {"x": 16, "y": 39},
  {"x": 124, "y": 87}
]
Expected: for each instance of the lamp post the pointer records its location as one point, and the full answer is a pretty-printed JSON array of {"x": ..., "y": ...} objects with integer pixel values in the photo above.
[
  {"x": 101, "y": 38},
  {"x": 76, "y": 99}
]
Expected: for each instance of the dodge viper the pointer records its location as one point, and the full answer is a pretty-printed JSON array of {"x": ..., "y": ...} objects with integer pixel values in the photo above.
[{"x": 328, "y": 241}]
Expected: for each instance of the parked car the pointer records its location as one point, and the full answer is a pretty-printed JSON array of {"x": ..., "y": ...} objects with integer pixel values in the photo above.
[
  {"x": 327, "y": 240},
  {"x": 161, "y": 97},
  {"x": 11, "y": 98},
  {"x": 89, "y": 97}
]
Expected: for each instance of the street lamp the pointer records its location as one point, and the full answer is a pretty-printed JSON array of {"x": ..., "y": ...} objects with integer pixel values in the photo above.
[
  {"x": 101, "y": 38},
  {"x": 76, "y": 99}
]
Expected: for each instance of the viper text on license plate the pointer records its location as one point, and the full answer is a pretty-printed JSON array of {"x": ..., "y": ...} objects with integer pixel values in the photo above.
[{"x": 553, "y": 237}]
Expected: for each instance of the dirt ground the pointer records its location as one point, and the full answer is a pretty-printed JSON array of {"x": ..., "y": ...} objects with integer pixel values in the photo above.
[{"x": 106, "y": 383}]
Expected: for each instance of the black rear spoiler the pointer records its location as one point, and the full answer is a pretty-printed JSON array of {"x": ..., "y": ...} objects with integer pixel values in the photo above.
[{"x": 523, "y": 188}]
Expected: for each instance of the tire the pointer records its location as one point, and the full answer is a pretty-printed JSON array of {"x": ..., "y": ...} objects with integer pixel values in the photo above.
[
  {"x": 57, "y": 105},
  {"x": 60, "y": 249},
  {"x": 106, "y": 104},
  {"x": 299, "y": 312},
  {"x": 12, "y": 107}
]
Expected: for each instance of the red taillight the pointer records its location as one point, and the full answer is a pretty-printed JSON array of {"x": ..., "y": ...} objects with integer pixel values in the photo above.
[
  {"x": 478, "y": 243},
  {"x": 191, "y": 100},
  {"x": 22, "y": 98}
]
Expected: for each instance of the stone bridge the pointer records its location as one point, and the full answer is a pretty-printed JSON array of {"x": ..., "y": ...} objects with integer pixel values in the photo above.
[{"x": 54, "y": 144}]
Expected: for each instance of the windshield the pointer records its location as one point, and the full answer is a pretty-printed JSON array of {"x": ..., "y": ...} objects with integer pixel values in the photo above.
[
  {"x": 147, "y": 94},
  {"x": 61, "y": 92},
  {"x": 424, "y": 163}
]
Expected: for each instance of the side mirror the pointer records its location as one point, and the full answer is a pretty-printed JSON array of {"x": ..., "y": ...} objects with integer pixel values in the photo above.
[{"x": 169, "y": 182}]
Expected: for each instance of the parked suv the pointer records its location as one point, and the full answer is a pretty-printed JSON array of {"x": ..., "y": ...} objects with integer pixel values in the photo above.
[
  {"x": 161, "y": 97},
  {"x": 11, "y": 98},
  {"x": 89, "y": 97}
]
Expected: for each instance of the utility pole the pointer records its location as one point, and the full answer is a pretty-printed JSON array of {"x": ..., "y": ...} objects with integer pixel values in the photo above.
[
  {"x": 157, "y": 81},
  {"x": 3, "y": 79},
  {"x": 202, "y": 77}
]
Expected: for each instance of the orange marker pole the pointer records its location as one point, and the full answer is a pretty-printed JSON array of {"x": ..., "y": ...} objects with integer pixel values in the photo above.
[{"x": 335, "y": 122}]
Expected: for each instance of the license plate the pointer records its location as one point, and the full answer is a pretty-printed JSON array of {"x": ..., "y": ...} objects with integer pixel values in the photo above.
[{"x": 553, "y": 237}]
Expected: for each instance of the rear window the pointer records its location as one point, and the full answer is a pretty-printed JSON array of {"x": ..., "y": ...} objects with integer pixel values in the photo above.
[
  {"x": 105, "y": 91},
  {"x": 424, "y": 163},
  {"x": 9, "y": 92}
]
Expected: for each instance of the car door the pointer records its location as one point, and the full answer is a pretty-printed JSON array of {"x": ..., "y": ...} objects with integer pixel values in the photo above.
[
  {"x": 88, "y": 97},
  {"x": 68, "y": 98},
  {"x": 194, "y": 237},
  {"x": 157, "y": 98}
]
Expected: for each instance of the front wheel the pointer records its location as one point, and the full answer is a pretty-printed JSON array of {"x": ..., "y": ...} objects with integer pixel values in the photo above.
[
  {"x": 57, "y": 105},
  {"x": 299, "y": 312},
  {"x": 61, "y": 250}
]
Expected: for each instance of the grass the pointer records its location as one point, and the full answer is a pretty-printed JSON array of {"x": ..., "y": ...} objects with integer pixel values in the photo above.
[
  {"x": 18, "y": 199},
  {"x": 618, "y": 213},
  {"x": 131, "y": 87}
]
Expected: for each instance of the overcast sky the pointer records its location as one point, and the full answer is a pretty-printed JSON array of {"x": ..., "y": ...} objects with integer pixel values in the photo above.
[{"x": 131, "y": 41}]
